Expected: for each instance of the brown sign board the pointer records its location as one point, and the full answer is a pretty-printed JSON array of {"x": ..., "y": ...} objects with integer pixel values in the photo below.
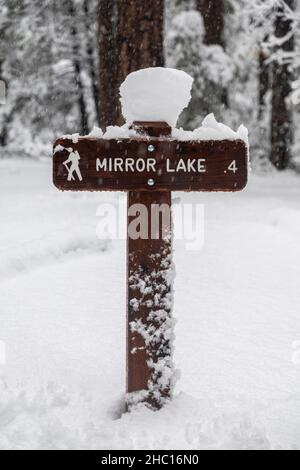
[{"x": 145, "y": 164}]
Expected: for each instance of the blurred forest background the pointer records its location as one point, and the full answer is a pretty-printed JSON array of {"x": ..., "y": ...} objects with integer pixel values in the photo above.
[{"x": 63, "y": 61}]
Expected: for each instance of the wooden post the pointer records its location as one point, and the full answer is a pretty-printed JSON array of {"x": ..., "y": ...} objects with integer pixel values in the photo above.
[{"x": 149, "y": 349}]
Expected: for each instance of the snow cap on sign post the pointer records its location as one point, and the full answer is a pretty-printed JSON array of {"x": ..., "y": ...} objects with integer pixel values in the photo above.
[{"x": 155, "y": 94}]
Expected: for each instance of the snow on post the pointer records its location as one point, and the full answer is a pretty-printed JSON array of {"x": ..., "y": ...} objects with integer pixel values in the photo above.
[{"x": 155, "y": 94}]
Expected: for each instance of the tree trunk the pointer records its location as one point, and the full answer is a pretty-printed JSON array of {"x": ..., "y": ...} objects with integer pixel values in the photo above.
[
  {"x": 140, "y": 36},
  {"x": 108, "y": 101},
  {"x": 5, "y": 128},
  {"x": 77, "y": 70},
  {"x": 3, "y": 132},
  {"x": 213, "y": 14},
  {"x": 90, "y": 58},
  {"x": 9, "y": 117},
  {"x": 281, "y": 127},
  {"x": 264, "y": 81}
]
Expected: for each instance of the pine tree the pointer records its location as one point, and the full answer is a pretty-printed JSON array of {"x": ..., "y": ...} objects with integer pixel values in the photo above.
[
  {"x": 281, "y": 128},
  {"x": 264, "y": 80},
  {"x": 78, "y": 69},
  {"x": 12, "y": 13},
  {"x": 91, "y": 47},
  {"x": 209, "y": 65},
  {"x": 48, "y": 74},
  {"x": 108, "y": 101},
  {"x": 213, "y": 14}
]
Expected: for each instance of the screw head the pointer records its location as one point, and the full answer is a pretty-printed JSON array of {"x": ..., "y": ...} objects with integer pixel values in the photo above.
[
  {"x": 151, "y": 148},
  {"x": 151, "y": 182}
]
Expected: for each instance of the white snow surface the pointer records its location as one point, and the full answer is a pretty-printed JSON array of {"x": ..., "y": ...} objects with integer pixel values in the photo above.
[
  {"x": 63, "y": 300},
  {"x": 114, "y": 132},
  {"x": 155, "y": 94},
  {"x": 211, "y": 129}
]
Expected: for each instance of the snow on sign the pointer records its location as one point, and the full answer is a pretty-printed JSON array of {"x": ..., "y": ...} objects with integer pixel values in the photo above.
[{"x": 149, "y": 158}]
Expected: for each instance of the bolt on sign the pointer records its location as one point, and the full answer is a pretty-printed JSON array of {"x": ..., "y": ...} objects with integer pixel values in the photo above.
[{"x": 149, "y": 166}]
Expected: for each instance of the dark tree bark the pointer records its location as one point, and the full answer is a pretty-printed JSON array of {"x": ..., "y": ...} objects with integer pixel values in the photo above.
[
  {"x": 9, "y": 117},
  {"x": 264, "y": 81},
  {"x": 264, "y": 72},
  {"x": 3, "y": 132},
  {"x": 140, "y": 36},
  {"x": 77, "y": 71},
  {"x": 6, "y": 127},
  {"x": 108, "y": 100},
  {"x": 90, "y": 58},
  {"x": 130, "y": 38},
  {"x": 281, "y": 131},
  {"x": 213, "y": 12}
]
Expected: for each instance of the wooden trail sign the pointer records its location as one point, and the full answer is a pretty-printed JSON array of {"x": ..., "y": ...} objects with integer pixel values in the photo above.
[
  {"x": 149, "y": 167},
  {"x": 158, "y": 164}
]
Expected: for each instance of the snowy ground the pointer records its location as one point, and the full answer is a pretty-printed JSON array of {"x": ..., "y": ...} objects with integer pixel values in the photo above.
[{"x": 62, "y": 314}]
